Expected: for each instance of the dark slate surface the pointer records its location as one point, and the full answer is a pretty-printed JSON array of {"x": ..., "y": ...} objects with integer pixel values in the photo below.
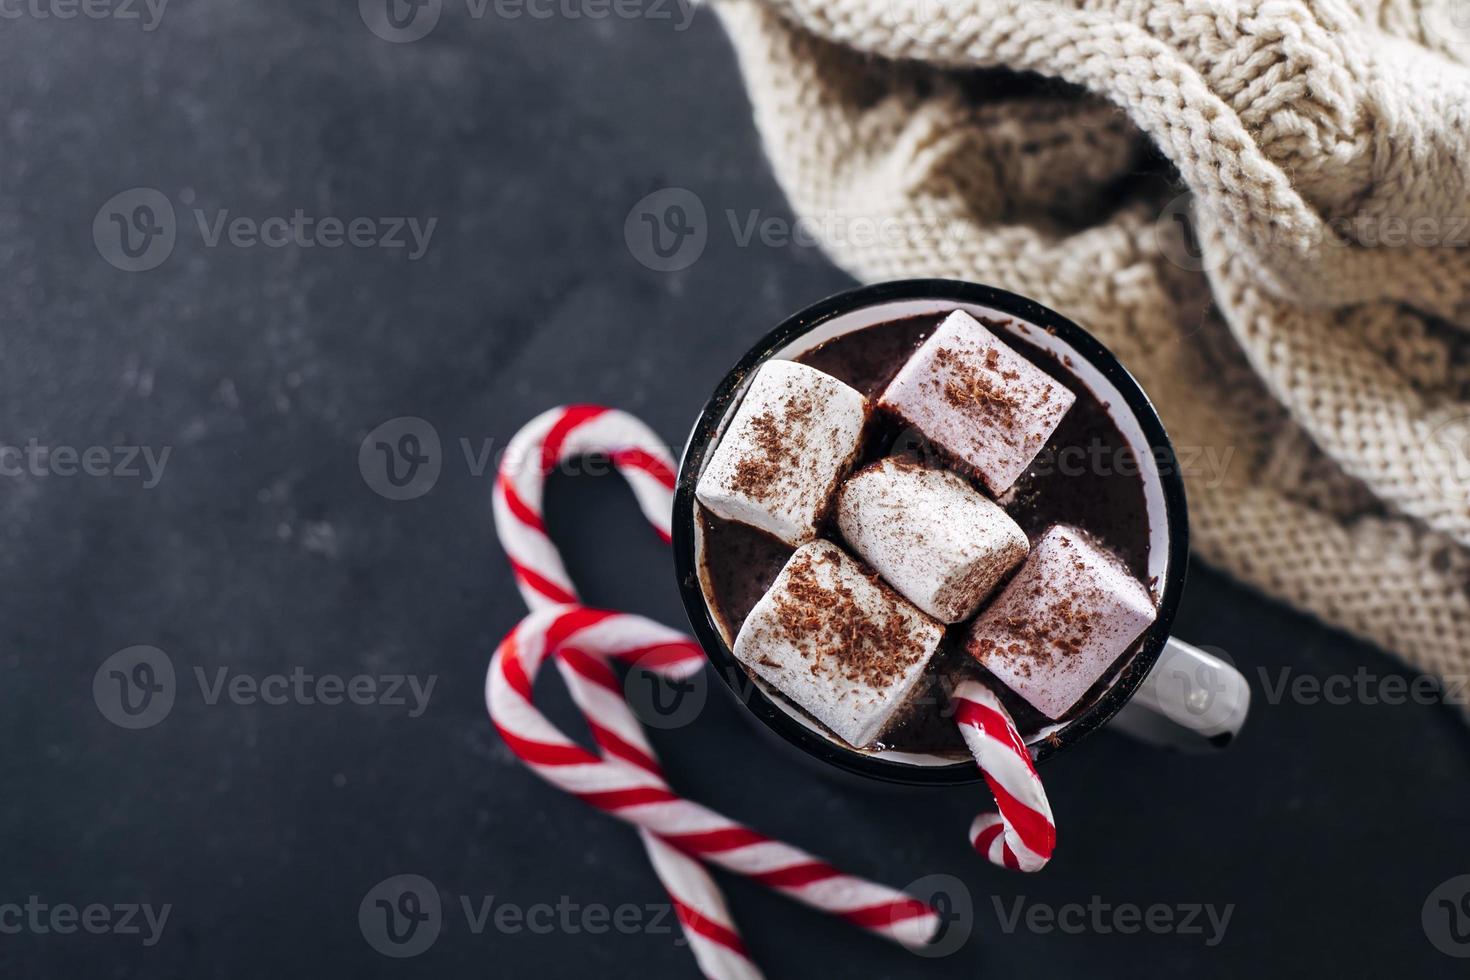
[{"x": 262, "y": 550}]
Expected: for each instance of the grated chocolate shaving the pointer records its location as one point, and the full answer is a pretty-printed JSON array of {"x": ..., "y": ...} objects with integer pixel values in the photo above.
[
  {"x": 974, "y": 389},
  {"x": 837, "y": 634},
  {"x": 780, "y": 443}
]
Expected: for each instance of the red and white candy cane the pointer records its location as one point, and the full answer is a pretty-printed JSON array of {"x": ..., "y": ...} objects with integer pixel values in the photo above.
[
  {"x": 536, "y": 450},
  {"x": 1023, "y": 834},
  {"x": 626, "y": 780},
  {"x": 544, "y": 443},
  {"x": 627, "y": 767}
]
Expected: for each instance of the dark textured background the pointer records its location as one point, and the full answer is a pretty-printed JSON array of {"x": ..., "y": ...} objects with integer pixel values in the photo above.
[{"x": 263, "y": 549}]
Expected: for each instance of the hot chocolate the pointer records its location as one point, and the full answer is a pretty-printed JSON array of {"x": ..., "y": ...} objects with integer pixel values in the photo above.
[{"x": 970, "y": 508}]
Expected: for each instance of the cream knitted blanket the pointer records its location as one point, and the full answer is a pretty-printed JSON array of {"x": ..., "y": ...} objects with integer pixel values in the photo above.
[{"x": 1306, "y": 344}]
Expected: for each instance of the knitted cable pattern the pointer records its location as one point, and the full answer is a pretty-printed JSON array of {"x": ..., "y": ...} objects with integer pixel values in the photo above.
[{"x": 1304, "y": 341}]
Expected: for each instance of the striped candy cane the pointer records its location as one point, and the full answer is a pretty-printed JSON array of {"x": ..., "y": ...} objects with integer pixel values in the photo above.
[
  {"x": 544, "y": 443},
  {"x": 627, "y": 782},
  {"x": 1023, "y": 834},
  {"x": 697, "y": 901},
  {"x": 535, "y": 451}
]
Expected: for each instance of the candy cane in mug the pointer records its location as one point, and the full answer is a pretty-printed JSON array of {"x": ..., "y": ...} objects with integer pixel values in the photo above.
[{"x": 1023, "y": 834}]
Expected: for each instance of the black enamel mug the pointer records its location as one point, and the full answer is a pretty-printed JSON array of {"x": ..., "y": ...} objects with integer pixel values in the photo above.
[{"x": 1168, "y": 693}]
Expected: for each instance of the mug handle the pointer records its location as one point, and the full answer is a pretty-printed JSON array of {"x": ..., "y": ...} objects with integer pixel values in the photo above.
[{"x": 1191, "y": 701}]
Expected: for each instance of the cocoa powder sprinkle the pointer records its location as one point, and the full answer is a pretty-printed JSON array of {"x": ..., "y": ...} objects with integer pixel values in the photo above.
[
  {"x": 1063, "y": 630},
  {"x": 779, "y": 444},
  {"x": 972, "y": 388},
  {"x": 839, "y": 635}
]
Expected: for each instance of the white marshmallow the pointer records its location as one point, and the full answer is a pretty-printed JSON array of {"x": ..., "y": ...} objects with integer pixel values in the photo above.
[
  {"x": 931, "y": 536},
  {"x": 1067, "y": 616},
  {"x": 978, "y": 400},
  {"x": 777, "y": 465},
  {"x": 844, "y": 647}
]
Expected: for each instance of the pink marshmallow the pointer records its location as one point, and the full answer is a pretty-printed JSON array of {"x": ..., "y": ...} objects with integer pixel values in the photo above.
[
  {"x": 978, "y": 400},
  {"x": 1061, "y": 622}
]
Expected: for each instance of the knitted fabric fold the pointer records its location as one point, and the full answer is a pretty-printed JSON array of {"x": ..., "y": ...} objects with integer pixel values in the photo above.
[{"x": 1262, "y": 207}]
